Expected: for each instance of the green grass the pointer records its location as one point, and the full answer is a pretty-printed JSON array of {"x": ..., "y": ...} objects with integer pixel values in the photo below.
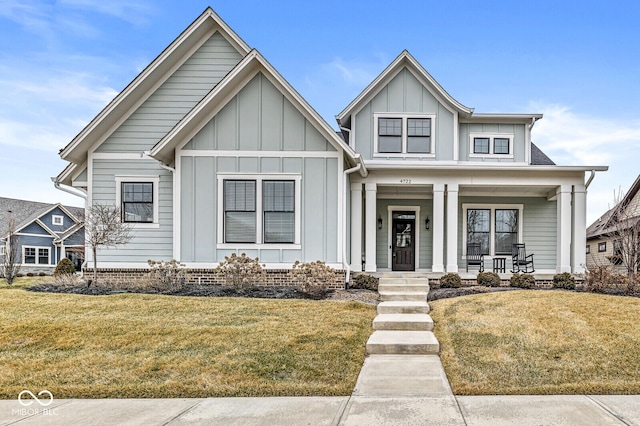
[
  {"x": 150, "y": 346},
  {"x": 540, "y": 342}
]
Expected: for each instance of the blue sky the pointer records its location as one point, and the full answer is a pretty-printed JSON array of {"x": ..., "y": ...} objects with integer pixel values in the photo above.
[{"x": 578, "y": 63}]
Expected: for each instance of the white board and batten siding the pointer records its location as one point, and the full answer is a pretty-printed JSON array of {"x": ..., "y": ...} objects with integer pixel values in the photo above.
[{"x": 259, "y": 133}]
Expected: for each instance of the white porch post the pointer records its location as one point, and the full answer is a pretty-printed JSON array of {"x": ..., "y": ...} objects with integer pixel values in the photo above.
[
  {"x": 356, "y": 227},
  {"x": 370, "y": 227},
  {"x": 563, "y": 250},
  {"x": 579, "y": 257},
  {"x": 438, "y": 228},
  {"x": 452, "y": 227}
]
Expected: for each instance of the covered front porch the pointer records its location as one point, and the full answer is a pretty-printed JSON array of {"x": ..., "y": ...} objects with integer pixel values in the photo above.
[{"x": 423, "y": 223}]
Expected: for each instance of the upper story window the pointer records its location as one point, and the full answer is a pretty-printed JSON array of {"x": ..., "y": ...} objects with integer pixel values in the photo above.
[
  {"x": 137, "y": 197},
  {"x": 498, "y": 145},
  {"x": 57, "y": 220},
  {"x": 404, "y": 134}
]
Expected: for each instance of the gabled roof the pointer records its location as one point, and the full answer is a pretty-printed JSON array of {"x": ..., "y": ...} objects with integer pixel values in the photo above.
[
  {"x": 25, "y": 212},
  {"x": 225, "y": 90},
  {"x": 539, "y": 158},
  {"x": 605, "y": 223},
  {"x": 404, "y": 60},
  {"x": 123, "y": 105}
]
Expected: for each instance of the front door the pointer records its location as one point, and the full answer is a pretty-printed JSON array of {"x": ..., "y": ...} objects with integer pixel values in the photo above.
[{"x": 403, "y": 241}]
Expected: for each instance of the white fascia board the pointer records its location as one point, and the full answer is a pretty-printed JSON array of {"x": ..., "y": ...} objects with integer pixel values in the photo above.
[
  {"x": 391, "y": 71},
  {"x": 145, "y": 83},
  {"x": 501, "y": 118},
  {"x": 520, "y": 167}
]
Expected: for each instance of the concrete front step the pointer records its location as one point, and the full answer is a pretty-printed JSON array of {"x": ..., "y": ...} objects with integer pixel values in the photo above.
[
  {"x": 403, "y": 281},
  {"x": 403, "y": 295},
  {"x": 403, "y": 322},
  {"x": 422, "y": 286},
  {"x": 403, "y": 307},
  {"x": 403, "y": 342}
]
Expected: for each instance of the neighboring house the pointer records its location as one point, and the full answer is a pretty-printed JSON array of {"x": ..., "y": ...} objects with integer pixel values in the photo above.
[
  {"x": 46, "y": 233},
  {"x": 210, "y": 151},
  {"x": 612, "y": 231}
]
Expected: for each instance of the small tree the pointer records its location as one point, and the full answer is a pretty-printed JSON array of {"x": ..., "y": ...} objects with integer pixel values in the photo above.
[
  {"x": 11, "y": 259},
  {"x": 104, "y": 228},
  {"x": 625, "y": 233}
]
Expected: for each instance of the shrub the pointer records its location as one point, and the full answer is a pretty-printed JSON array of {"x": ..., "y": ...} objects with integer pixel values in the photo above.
[
  {"x": 19, "y": 275},
  {"x": 30, "y": 274},
  {"x": 68, "y": 280},
  {"x": 522, "y": 281},
  {"x": 42, "y": 274},
  {"x": 489, "y": 279},
  {"x": 633, "y": 285},
  {"x": 450, "y": 280},
  {"x": 599, "y": 279},
  {"x": 240, "y": 271},
  {"x": 312, "y": 278},
  {"x": 564, "y": 280},
  {"x": 166, "y": 275},
  {"x": 365, "y": 282},
  {"x": 64, "y": 267}
]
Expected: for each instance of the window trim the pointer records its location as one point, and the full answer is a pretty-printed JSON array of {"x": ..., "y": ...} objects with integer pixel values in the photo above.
[
  {"x": 602, "y": 247},
  {"x": 37, "y": 255},
  {"x": 405, "y": 138},
  {"x": 588, "y": 249},
  {"x": 57, "y": 220},
  {"x": 2, "y": 251},
  {"x": 492, "y": 137},
  {"x": 259, "y": 178},
  {"x": 155, "y": 180},
  {"x": 492, "y": 226}
]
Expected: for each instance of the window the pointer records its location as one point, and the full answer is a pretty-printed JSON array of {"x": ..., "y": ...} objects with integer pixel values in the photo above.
[
  {"x": 57, "y": 220},
  {"x": 499, "y": 145},
  {"x": 278, "y": 205},
  {"x": 602, "y": 247},
  {"x": 260, "y": 210},
  {"x": 495, "y": 227},
  {"x": 2, "y": 249},
  {"x": 240, "y": 211},
  {"x": 404, "y": 134},
  {"x": 137, "y": 196},
  {"x": 480, "y": 145},
  {"x": 36, "y": 255},
  {"x": 137, "y": 202},
  {"x": 588, "y": 249}
]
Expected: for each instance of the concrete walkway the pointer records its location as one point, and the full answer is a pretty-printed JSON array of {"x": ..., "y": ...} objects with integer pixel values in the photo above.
[{"x": 356, "y": 410}]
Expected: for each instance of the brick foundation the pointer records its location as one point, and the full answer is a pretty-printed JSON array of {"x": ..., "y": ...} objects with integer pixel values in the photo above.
[
  {"x": 542, "y": 284},
  {"x": 272, "y": 277}
]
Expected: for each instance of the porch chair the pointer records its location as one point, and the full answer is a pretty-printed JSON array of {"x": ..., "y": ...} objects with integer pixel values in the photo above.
[
  {"x": 475, "y": 256},
  {"x": 521, "y": 262}
]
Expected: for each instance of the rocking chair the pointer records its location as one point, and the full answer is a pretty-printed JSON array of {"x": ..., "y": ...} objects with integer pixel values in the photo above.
[{"x": 521, "y": 262}]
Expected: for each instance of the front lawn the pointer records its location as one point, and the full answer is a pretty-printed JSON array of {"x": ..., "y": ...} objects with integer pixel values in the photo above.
[
  {"x": 151, "y": 346},
  {"x": 539, "y": 342}
]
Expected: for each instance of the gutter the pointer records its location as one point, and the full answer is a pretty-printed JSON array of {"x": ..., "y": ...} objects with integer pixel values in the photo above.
[
  {"x": 347, "y": 266},
  {"x": 160, "y": 163},
  {"x": 64, "y": 188}
]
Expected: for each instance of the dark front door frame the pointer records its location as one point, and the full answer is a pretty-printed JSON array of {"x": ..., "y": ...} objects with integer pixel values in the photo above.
[{"x": 403, "y": 240}]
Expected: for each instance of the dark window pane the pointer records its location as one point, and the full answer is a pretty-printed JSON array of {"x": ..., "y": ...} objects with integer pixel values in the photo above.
[
  {"x": 501, "y": 146},
  {"x": 419, "y": 144},
  {"x": 43, "y": 256},
  {"x": 279, "y": 227},
  {"x": 480, "y": 145},
  {"x": 137, "y": 202},
  {"x": 390, "y": 144},
  {"x": 240, "y": 227},
  {"x": 390, "y": 126},
  {"x": 278, "y": 206},
  {"x": 506, "y": 230},
  {"x": 478, "y": 228}
]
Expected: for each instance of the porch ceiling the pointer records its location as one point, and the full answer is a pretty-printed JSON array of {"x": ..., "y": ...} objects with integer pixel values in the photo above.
[
  {"x": 506, "y": 190},
  {"x": 403, "y": 190}
]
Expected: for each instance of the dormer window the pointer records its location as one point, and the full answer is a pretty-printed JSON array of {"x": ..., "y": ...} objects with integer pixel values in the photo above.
[
  {"x": 493, "y": 145},
  {"x": 404, "y": 134}
]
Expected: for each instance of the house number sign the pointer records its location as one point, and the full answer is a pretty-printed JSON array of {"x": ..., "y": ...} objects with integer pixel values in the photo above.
[{"x": 405, "y": 180}]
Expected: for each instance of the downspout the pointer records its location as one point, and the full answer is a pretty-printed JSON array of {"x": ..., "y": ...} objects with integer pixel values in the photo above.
[
  {"x": 593, "y": 174},
  {"x": 347, "y": 266}
]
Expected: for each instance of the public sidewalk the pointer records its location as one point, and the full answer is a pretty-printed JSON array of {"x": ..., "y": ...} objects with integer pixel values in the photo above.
[{"x": 475, "y": 410}]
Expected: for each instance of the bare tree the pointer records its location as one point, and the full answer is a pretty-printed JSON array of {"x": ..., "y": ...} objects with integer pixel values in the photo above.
[
  {"x": 104, "y": 228},
  {"x": 11, "y": 259},
  {"x": 624, "y": 231}
]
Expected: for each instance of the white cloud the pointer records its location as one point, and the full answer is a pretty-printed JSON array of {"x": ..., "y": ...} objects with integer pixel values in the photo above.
[
  {"x": 134, "y": 12},
  {"x": 572, "y": 138}
]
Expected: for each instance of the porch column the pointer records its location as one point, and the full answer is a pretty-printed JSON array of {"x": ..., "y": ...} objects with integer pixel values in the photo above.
[
  {"x": 563, "y": 249},
  {"x": 356, "y": 227},
  {"x": 578, "y": 255},
  {"x": 438, "y": 228},
  {"x": 370, "y": 227},
  {"x": 452, "y": 227}
]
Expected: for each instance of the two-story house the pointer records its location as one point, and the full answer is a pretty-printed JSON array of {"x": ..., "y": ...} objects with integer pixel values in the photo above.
[{"x": 210, "y": 151}]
